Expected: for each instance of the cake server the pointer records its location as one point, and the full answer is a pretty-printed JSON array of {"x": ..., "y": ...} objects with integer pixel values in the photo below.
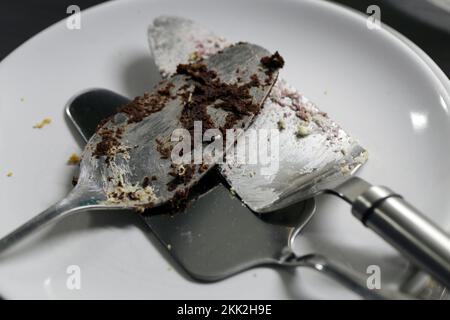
[
  {"x": 123, "y": 165},
  {"x": 206, "y": 238},
  {"x": 315, "y": 155}
]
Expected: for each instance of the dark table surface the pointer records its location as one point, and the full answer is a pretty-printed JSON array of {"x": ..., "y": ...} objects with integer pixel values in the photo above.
[{"x": 21, "y": 19}]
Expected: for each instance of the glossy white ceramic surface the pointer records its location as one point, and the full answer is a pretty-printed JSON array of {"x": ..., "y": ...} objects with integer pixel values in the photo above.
[{"x": 381, "y": 89}]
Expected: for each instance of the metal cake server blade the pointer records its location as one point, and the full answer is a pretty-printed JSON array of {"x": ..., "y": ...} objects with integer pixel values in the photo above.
[
  {"x": 312, "y": 152},
  {"x": 206, "y": 238},
  {"x": 313, "y": 155}
]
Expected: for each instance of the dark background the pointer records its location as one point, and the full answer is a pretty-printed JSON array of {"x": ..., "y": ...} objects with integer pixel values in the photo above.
[{"x": 427, "y": 27}]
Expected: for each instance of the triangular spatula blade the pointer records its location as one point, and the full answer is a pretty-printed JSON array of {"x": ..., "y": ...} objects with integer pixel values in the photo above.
[{"x": 314, "y": 152}]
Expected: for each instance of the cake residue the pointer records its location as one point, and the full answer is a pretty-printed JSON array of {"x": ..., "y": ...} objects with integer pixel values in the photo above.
[
  {"x": 273, "y": 62},
  {"x": 74, "y": 159},
  {"x": 135, "y": 196},
  {"x": 43, "y": 123}
]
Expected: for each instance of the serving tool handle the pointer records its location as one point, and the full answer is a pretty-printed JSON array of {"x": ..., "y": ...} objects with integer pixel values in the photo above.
[
  {"x": 407, "y": 229},
  {"x": 74, "y": 202},
  {"x": 349, "y": 278}
]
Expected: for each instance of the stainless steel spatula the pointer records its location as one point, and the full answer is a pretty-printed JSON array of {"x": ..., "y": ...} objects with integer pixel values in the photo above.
[
  {"x": 123, "y": 164},
  {"x": 315, "y": 155}
]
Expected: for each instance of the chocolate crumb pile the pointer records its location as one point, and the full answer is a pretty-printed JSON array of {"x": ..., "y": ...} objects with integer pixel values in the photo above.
[
  {"x": 109, "y": 145},
  {"x": 273, "y": 62},
  {"x": 209, "y": 90},
  {"x": 147, "y": 104}
]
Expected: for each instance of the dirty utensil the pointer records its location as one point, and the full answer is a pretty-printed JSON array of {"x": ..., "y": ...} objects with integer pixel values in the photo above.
[
  {"x": 315, "y": 155},
  {"x": 206, "y": 238},
  {"x": 125, "y": 152}
]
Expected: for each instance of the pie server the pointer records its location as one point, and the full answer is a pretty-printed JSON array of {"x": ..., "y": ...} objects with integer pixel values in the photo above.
[
  {"x": 323, "y": 160},
  {"x": 207, "y": 238}
]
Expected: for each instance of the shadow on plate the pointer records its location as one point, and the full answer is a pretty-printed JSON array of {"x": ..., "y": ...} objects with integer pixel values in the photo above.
[{"x": 140, "y": 75}]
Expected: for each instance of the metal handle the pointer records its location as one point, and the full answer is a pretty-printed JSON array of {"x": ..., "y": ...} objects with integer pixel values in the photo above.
[
  {"x": 71, "y": 204},
  {"x": 351, "y": 279},
  {"x": 407, "y": 229},
  {"x": 28, "y": 227}
]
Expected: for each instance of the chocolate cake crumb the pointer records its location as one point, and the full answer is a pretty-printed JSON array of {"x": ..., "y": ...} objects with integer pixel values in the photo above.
[
  {"x": 102, "y": 123},
  {"x": 146, "y": 182},
  {"x": 110, "y": 145},
  {"x": 106, "y": 144},
  {"x": 147, "y": 104},
  {"x": 273, "y": 62},
  {"x": 207, "y": 91},
  {"x": 166, "y": 90}
]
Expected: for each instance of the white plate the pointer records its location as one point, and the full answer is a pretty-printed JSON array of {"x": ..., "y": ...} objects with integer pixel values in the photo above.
[{"x": 381, "y": 89}]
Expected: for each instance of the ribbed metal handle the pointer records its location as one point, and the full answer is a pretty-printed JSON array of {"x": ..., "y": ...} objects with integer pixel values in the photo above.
[{"x": 407, "y": 229}]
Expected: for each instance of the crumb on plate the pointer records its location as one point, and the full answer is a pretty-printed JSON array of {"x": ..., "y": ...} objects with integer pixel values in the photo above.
[
  {"x": 74, "y": 159},
  {"x": 43, "y": 123}
]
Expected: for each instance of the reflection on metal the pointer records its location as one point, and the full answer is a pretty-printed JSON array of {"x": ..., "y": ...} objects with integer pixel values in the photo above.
[{"x": 443, "y": 4}]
